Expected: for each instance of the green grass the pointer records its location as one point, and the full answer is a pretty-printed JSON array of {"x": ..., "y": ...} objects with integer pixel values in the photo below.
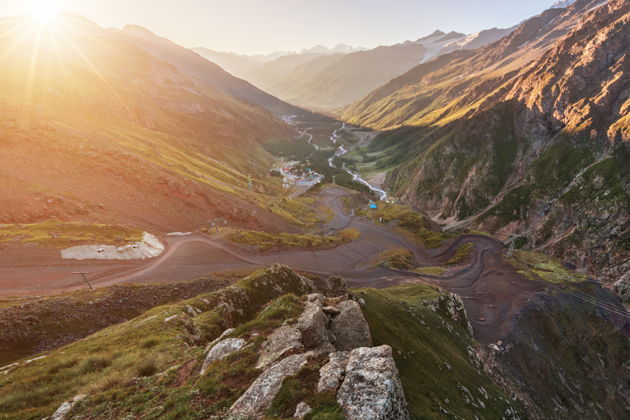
[
  {"x": 265, "y": 241},
  {"x": 410, "y": 221},
  {"x": 397, "y": 258},
  {"x": 433, "y": 271},
  {"x": 63, "y": 234},
  {"x": 462, "y": 253},
  {"x": 535, "y": 266},
  {"x": 432, "y": 354}
]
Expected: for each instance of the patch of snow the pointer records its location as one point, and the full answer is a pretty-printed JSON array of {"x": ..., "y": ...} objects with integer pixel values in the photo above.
[
  {"x": 562, "y": 4},
  {"x": 149, "y": 247},
  {"x": 463, "y": 41},
  {"x": 179, "y": 233}
]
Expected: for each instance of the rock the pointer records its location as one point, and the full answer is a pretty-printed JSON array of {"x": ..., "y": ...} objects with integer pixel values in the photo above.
[
  {"x": 281, "y": 342},
  {"x": 313, "y": 323},
  {"x": 259, "y": 396},
  {"x": 315, "y": 298},
  {"x": 331, "y": 310},
  {"x": 350, "y": 327},
  {"x": 332, "y": 373},
  {"x": 301, "y": 410},
  {"x": 219, "y": 338},
  {"x": 65, "y": 408},
  {"x": 371, "y": 388},
  {"x": 222, "y": 349}
]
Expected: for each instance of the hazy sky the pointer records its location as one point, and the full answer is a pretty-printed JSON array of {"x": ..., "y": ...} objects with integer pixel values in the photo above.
[{"x": 259, "y": 26}]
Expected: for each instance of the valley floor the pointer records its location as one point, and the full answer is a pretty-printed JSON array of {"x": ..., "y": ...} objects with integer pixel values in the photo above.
[{"x": 491, "y": 289}]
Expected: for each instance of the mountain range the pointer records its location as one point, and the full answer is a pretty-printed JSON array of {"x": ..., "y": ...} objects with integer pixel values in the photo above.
[{"x": 525, "y": 136}]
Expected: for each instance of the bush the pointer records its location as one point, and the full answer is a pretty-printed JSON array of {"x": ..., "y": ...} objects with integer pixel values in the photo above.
[{"x": 147, "y": 367}]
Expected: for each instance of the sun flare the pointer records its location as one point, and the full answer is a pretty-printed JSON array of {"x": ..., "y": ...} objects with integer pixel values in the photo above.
[{"x": 44, "y": 10}]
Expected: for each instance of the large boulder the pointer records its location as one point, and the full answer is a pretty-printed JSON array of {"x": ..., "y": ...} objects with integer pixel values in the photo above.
[
  {"x": 220, "y": 350},
  {"x": 282, "y": 342},
  {"x": 371, "y": 388},
  {"x": 331, "y": 374},
  {"x": 313, "y": 323},
  {"x": 350, "y": 328},
  {"x": 259, "y": 396}
]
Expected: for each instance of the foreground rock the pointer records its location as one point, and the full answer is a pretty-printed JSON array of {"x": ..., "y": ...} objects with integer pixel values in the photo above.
[
  {"x": 258, "y": 398},
  {"x": 313, "y": 324},
  {"x": 331, "y": 375},
  {"x": 284, "y": 341},
  {"x": 372, "y": 388},
  {"x": 220, "y": 350},
  {"x": 350, "y": 328}
]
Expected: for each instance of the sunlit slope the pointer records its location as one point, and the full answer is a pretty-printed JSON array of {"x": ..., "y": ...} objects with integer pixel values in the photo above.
[
  {"x": 527, "y": 136},
  {"x": 201, "y": 70},
  {"x": 93, "y": 127}
]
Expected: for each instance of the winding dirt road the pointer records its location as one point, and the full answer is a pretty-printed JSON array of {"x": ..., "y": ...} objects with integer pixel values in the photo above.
[{"x": 491, "y": 289}]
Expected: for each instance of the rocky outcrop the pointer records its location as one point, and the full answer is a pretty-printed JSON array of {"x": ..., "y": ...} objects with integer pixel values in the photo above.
[
  {"x": 222, "y": 349},
  {"x": 371, "y": 388},
  {"x": 259, "y": 396},
  {"x": 332, "y": 373},
  {"x": 349, "y": 327},
  {"x": 313, "y": 324},
  {"x": 370, "y": 372},
  {"x": 281, "y": 342}
]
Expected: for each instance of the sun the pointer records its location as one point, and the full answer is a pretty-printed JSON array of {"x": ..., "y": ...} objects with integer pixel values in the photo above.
[{"x": 44, "y": 10}]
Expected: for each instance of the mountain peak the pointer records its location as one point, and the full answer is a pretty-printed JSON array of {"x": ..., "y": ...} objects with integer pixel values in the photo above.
[{"x": 435, "y": 34}]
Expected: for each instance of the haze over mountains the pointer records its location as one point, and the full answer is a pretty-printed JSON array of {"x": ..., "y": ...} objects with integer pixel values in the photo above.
[{"x": 323, "y": 78}]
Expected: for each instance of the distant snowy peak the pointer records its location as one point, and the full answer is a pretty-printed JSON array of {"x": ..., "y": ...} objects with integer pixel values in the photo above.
[{"x": 562, "y": 4}]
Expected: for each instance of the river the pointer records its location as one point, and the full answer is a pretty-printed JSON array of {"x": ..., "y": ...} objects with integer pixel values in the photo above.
[{"x": 341, "y": 150}]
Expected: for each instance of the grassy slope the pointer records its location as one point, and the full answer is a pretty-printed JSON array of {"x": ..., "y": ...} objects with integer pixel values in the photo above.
[
  {"x": 433, "y": 354},
  {"x": 109, "y": 360},
  {"x": 60, "y": 234}
]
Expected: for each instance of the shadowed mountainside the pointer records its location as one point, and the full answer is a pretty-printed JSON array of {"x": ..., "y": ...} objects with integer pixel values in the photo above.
[{"x": 528, "y": 135}]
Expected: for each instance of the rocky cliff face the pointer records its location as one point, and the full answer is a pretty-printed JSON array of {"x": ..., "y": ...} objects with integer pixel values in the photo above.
[{"x": 539, "y": 149}]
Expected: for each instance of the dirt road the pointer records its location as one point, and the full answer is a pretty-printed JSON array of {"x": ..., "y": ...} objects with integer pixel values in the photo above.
[{"x": 491, "y": 290}]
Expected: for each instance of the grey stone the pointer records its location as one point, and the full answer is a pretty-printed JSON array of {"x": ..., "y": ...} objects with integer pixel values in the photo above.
[
  {"x": 302, "y": 410},
  {"x": 219, "y": 338},
  {"x": 313, "y": 323},
  {"x": 332, "y": 373},
  {"x": 65, "y": 408},
  {"x": 220, "y": 350},
  {"x": 280, "y": 343},
  {"x": 371, "y": 388},
  {"x": 258, "y": 397},
  {"x": 315, "y": 298},
  {"x": 350, "y": 327},
  {"x": 331, "y": 310}
]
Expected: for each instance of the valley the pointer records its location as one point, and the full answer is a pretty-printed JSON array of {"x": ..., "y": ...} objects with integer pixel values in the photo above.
[{"x": 437, "y": 228}]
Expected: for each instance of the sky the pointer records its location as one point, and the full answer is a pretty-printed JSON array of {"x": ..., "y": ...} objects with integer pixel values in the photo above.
[{"x": 263, "y": 26}]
